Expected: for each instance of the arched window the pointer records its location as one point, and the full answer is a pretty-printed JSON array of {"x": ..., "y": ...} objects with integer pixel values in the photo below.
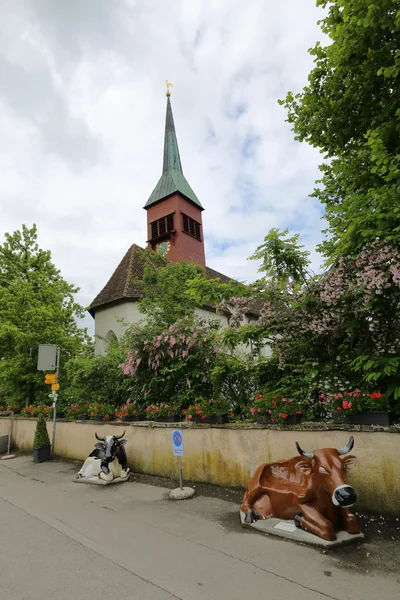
[{"x": 111, "y": 338}]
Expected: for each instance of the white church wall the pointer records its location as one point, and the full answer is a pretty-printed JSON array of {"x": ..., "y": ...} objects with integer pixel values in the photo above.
[
  {"x": 106, "y": 324},
  {"x": 106, "y": 321}
]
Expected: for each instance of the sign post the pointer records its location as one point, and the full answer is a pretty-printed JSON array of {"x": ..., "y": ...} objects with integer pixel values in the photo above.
[
  {"x": 180, "y": 493},
  {"x": 177, "y": 448},
  {"x": 49, "y": 360}
]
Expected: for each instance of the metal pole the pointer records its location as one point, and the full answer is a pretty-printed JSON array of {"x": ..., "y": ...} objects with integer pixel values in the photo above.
[
  {"x": 180, "y": 473},
  {"x": 55, "y": 397},
  {"x": 54, "y": 422}
]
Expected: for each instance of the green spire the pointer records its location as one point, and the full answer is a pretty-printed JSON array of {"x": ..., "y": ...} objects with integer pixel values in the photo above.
[{"x": 172, "y": 179}]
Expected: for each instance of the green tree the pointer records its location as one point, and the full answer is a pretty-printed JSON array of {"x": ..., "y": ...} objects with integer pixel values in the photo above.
[
  {"x": 37, "y": 306},
  {"x": 350, "y": 109},
  {"x": 164, "y": 284},
  {"x": 173, "y": 291},
  {"x": 283, "y": 259},
  {"x": 41, "y": 438}
]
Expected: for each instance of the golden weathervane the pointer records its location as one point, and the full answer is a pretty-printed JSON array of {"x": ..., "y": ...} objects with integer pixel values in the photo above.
[{"x": 169, "y": 85}]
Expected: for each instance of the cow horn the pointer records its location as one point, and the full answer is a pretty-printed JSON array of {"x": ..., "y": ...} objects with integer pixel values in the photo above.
[
  {"x": 347, "y": 448},
  {"x": 119, "y": 437},
  {"x": 303, "y": 453},
  {"x": 99, "y": 438}
]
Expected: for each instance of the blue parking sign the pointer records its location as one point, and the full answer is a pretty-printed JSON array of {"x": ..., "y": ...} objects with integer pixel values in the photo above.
[{"x": 177, "y": 442}]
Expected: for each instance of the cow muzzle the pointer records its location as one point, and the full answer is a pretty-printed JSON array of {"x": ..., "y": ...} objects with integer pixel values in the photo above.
[{"x": 344, "y": 496}]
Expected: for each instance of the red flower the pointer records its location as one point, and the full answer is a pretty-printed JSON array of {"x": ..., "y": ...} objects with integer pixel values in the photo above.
[
  {"x": 283, "y": 415},
  {"x": 298, "y": 412},
  {"x": 273, "y": 403}
]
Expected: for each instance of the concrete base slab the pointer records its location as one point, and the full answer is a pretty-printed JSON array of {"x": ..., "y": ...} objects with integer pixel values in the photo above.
[
  {"x": 7, "y": 456},
  {"x": 98, "y": 481},
  {"x": 182, "y": 494},
  {"x": 288, "y": 530}
]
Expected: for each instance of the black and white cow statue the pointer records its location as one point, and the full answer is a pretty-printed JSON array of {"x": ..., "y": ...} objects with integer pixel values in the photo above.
[{"x": 107, "y": 461}]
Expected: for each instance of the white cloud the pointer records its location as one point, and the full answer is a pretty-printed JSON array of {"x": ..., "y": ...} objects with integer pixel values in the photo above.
[{"x": 83, "y": 107}]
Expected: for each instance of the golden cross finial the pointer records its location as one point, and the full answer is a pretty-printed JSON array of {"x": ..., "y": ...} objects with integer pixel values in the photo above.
[{"x": 169, "y": 85}]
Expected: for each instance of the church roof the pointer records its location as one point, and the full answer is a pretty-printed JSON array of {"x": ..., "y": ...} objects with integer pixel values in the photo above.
[
  {"x": 122, "y": 285},
  {"x": 172, "y": 179}
]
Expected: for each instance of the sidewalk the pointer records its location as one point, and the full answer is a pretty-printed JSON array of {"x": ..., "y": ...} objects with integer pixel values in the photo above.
[{"x": 60, "y": 540}]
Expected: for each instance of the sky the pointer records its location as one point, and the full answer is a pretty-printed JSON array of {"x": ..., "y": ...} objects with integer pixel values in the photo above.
[{"x": 82, "y": 109}]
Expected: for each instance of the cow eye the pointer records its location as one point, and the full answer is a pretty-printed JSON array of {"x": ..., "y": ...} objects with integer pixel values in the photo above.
[{"x": 322, "y": 470}]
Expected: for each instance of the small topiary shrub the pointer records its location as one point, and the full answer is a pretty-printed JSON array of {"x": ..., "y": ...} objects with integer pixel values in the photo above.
[{"x": 41, "y": 436}]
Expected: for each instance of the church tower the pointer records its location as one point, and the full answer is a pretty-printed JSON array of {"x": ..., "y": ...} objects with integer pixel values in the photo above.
[{"x": 174, "y": 223}]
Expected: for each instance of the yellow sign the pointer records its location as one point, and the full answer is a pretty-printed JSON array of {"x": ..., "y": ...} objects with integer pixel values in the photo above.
[
  {"x": 55, "y": 387},
  {"x": 50, "y": 378}
]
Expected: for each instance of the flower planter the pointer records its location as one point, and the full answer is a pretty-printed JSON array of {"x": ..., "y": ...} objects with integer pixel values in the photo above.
[
  {"x": 133, "y": 418},
  {"x": 170, "y": 419},
  {"x": 367, "y": 418},
  {"x": 263, "y": 420},
  {"x": 41, "y": 454},
  {"x": 292, "y": 419},
  {"x": 212, "y": 420}
]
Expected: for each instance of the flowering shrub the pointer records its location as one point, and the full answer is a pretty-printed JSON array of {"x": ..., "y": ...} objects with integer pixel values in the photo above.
[
  {"x": 355, "y": 402},
  {"x": 101, "y": 411},
  {"x": 34, "y": 410},
  {"x": 208, "y": 408},
  {"x": 342, "y": 326},
  {"x": 14, "y": 407},
  {"x": 77, "y": 409},
  {"x": 273, "y": 407},
  {"x": 175, "y": 364},
  {"x": 129, "y": 409},
  {"x": 154, "y": 411}
]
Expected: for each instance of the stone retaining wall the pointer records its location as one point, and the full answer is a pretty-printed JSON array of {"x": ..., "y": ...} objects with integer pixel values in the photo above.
[{"x": 229, "y": 454}]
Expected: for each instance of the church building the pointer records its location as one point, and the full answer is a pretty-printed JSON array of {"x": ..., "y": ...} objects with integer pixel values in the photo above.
[{"x": 174, "y": 229}]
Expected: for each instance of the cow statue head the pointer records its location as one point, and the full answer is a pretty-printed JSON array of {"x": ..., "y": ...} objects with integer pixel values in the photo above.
[
  {"x": 329, "y": 470},
  {"x": 109, "y": 446}
]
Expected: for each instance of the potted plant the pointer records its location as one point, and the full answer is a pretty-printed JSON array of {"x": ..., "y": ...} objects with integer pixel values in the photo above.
[
  {"x": 130, "y": 412},
  {"x": 78, "y": 410},
  {"x": 162, "y": 413},
  {"x": 41, "y": 442},
  {"x": 286, "y": 410},
  {"x": 101, "y": 411},
  {"x": 34, "y": 410},
  {"x": 360, "y": 408},
  {"x": 214, "y": 411},
  {"x": 261, "y": 410}
]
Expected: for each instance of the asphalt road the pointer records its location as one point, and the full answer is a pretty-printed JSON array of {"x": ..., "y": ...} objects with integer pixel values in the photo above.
[{"x": 61, "y": 540}]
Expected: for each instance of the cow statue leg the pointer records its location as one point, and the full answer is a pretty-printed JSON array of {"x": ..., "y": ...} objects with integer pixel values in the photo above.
[
  {"x": 105, "y": 473},
  {"x": 247, "y": 506},
  {"x": 312, "y": 520},
  {"x": 123, "y": 461},
  {"x": 348, "y": 521}
]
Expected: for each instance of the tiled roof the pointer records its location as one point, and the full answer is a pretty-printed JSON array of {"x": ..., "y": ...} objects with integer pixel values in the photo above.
[{"x": 122, "y": 285}]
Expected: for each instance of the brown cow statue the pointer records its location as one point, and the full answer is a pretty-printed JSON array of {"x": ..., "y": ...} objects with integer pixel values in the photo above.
[{"x": 313, "y": 491}]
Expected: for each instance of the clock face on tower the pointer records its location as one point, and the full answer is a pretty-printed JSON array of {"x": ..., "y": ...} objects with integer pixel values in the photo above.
[{"x": 163, "y": 248}]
